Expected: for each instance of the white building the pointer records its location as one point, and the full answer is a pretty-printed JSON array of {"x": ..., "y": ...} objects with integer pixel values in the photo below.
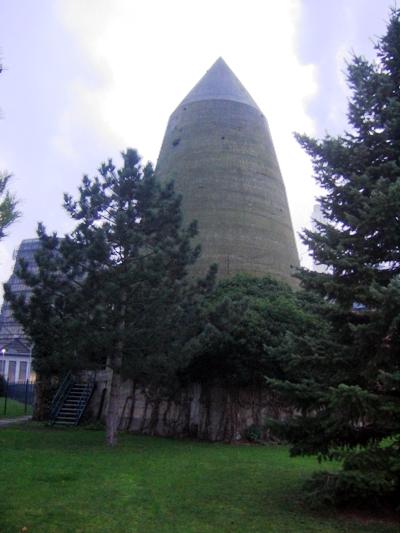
[
  {"x": 16, "y": 362},
  {"x": 15, "y": 346}
]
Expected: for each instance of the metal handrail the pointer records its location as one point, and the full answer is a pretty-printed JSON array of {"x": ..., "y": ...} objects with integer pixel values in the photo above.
[
  {"x": 64, "y": 384},
  {"x": 59, "y": 396},
  {"x": 84, "y": 399}
]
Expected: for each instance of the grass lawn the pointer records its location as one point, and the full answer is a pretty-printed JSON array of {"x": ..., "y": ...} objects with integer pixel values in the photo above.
[
  {"x": 56, "y": 480},
  {"x": 14, "y": 409}
]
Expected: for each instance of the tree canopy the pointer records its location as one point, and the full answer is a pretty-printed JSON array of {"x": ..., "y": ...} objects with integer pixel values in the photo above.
[
  {"x": 113, "y": 291},
  {"x": 249, "y": 328}
]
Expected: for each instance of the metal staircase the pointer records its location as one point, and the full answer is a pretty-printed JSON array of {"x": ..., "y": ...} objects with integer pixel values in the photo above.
[{"x": 70, "y": 401}]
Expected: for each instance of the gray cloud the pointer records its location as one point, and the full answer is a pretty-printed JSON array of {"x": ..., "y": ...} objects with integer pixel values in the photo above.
[{"x": 329, "y": 32}]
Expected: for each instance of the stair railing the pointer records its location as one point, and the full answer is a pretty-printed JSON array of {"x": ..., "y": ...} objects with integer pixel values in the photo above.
[
  {"x": 84, "y": 399},
  {"x": 60, "y": 396}
]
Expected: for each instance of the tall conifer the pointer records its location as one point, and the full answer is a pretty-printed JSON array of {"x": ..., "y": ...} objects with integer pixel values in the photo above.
[{"x": 350, "y": 402}]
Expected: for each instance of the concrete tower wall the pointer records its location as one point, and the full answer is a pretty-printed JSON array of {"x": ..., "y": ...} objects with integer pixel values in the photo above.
[{"x": 218, "y": 150}]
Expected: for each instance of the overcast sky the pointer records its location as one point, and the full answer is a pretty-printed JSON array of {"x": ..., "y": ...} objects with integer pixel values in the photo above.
[{"x": 87, "y": 78}]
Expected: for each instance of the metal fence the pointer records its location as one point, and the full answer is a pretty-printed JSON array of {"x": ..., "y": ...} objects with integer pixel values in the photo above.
[{"x": 24, "y": 393}]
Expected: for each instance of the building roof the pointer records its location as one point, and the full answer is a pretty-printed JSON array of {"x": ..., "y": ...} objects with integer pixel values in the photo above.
[
  {"x": 14, "y": 347},
  {"x": 219, "y": 83}
]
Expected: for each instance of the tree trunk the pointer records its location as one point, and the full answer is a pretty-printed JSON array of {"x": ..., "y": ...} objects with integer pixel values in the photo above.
[
  {"x": 113, "y": 404},
  {"x": 44, "y": 392},
  {"x": 112, "y": 418}
]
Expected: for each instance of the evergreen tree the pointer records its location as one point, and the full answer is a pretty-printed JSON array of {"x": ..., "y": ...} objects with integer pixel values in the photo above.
[
  {"x": 350, "y": 403},
  {"x": 250, "y": 327},
  {"x": 116, "y": 288}
]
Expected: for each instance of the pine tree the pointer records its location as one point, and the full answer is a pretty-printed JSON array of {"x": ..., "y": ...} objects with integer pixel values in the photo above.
[
  {"x": 350, "y": 403},
  {"x": 114, "y": 290}
]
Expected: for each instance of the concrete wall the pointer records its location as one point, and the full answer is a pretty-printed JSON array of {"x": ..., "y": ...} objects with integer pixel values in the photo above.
[{"x": 210, "y": 413}]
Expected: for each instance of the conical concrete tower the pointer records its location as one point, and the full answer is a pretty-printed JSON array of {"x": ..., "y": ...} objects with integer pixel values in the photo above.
[{"x": 219, "y": 151}]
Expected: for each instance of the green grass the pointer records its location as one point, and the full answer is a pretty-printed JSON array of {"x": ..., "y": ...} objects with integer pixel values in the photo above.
[
  {"x": 62, "y": 481},
  {"x": 13, "y": 410}
]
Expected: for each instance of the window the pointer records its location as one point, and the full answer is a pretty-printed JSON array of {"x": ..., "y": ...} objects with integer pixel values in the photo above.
[
  {"x": 12, "y": 367},
  {"x": 23, "y": 365}
]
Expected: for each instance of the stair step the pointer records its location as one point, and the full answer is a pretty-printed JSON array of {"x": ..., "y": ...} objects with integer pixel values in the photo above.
[{"x": 75, "y": 401}]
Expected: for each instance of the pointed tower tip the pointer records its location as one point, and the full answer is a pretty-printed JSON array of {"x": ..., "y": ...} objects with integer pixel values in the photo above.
[
  {"x": 222, "y": 63},
  {"x": 220, "y": 83}
]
